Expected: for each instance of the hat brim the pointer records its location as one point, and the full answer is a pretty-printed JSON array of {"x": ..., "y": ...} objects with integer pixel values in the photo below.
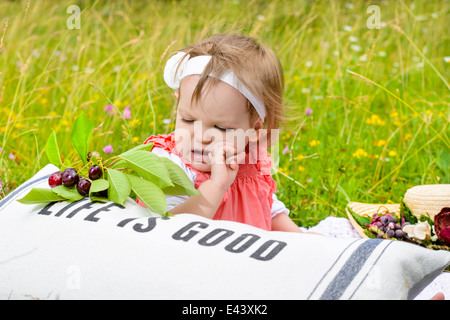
[{"x": 368, "y": 210}]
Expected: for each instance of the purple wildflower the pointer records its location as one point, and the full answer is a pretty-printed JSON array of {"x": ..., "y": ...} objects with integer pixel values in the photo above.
[
  {"x": 109, "y": 109},
  {"x": 127, "y": 113},
  {"x": 108, "y": 149}
]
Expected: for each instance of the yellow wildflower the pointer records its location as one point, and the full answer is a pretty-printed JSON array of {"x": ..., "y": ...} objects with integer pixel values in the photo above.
[
  {"x": 408, "y": 136},
  {"x": 392, "y": 153},
  {"x": 65, "y": 123},
  {"x": 380, "y": 143},
  {"x": 19, "y": 125},
  {"x": 375, "y": 120},
  {"x": 314, "y": 143},
  {"x": 134, "y": 122},
  {"x": 300, "y": 168},
  {"x": 300, "y": 157},
  {"x": 360, "y": 153}
]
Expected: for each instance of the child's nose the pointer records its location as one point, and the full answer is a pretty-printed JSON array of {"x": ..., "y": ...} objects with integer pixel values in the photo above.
[{"x": 207, "y": 135}]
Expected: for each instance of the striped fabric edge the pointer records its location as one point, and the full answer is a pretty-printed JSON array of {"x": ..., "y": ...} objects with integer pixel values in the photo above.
[
  {"x": 10, "y": 197},
  {"x": 350, "y": 270}
]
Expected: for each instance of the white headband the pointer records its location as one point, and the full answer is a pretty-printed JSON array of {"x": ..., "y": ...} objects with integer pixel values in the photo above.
[{"x": 197, "y": 65}]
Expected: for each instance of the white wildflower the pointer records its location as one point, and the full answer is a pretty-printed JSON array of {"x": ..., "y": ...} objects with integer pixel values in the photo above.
[{"x": 419, "y": 231}]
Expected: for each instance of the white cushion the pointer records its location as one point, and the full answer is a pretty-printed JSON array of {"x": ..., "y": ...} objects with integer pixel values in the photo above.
[{"x": 90, "y": 250}]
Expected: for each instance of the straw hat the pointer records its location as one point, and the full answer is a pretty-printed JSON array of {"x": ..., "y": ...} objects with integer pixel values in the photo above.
[
  {"x": 427, "y": 199},
  {"x": 421, "y": 200}
]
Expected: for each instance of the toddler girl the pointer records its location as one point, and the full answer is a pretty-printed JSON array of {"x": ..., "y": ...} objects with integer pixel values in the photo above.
[{"x": 227, "y": 88}]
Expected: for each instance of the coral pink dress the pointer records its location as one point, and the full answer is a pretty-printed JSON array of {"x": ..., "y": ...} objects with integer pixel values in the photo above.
[{"x": 249, "y": 198}]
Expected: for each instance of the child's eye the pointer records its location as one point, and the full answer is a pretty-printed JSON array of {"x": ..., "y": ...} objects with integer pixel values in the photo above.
[
  {"x": 222, "y": 129},
  {"x": 217, "y": 127}
]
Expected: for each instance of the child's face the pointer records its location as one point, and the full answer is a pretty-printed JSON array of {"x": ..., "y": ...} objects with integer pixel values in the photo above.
[{"x": 198, "y": 127}]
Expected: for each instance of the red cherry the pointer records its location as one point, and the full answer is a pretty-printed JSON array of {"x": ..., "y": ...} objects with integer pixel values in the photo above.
[
  {"x": 95, "y": 172},
  {"x": 55, "y": 179},
  {"x": 70, "y": 177},
  {"x": 83, "y": 186}
]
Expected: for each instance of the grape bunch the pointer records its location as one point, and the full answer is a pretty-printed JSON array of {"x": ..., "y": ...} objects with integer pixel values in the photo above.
[
  {"x": 70, "y": 178},
  {"x": 387, "y": 226}
]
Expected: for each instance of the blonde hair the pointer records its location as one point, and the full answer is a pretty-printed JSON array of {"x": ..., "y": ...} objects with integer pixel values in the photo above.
[{"x": 255, "y": 65}]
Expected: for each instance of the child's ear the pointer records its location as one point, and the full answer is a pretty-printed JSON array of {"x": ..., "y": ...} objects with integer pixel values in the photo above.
[{"x": 258, "y": 124}]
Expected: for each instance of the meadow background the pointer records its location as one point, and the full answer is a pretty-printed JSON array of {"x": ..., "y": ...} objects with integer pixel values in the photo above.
[{"x": 369, "y": 107}]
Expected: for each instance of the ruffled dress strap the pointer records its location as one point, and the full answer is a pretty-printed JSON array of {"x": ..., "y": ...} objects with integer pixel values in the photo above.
[{"x": 164, "y": 141}]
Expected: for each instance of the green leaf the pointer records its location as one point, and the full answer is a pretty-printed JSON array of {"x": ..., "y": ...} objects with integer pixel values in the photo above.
[
  {"x": 71, "y": 194},
  {"x": 120, "y": 164},
  {"x": 119, "y": 186},
  {"x": 405, "y": 212},
  {"x": 40, "y": 195},
  {"x": 99, "y": 185},
  {"x": 52, "y": 150},
  {"x": 149, "y": 193},
  {"x": 362, "y": 221},
  {"x": 182, "y": 184},
  {"x": 143, "y": 147},
  {"x": 95, "y": 198},
  {"x": 149, "y": 166},
  {"x": 81, "y": 136}
]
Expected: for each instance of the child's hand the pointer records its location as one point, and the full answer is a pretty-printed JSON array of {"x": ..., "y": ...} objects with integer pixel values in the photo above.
[{"x": 224, "y": 164}]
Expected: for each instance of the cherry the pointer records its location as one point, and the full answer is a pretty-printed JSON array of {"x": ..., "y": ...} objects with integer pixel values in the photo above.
[
  {"x": 55, "y": 179},
  {"x": 83, "y": 186},
  {"x": 70, "y": 177},
  {"x": 95, "y": 172}
]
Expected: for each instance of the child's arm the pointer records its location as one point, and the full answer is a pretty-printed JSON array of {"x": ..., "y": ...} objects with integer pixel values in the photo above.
[
  {"x": 282, "y": 222},
  {"x": 205, "y": 204}
]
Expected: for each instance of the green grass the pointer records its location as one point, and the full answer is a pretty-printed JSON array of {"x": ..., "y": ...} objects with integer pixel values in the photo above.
[{"x": 380, "y": 97}]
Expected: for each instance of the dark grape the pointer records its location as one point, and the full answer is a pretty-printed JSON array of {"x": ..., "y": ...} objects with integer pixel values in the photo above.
[
  {"x": 95, "y": 172},
  {"x": 399, "y": 234},
  {"x": 70, "y": 177},
  {"x": 391, "y": 218},
  {"x": 390, "y": 233},
  {"x": 55, "y": 179},
  {"x": 391, "y": 225},
  {"x": 384, "y": 220},
  {"x": 83, "y": 186}
]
